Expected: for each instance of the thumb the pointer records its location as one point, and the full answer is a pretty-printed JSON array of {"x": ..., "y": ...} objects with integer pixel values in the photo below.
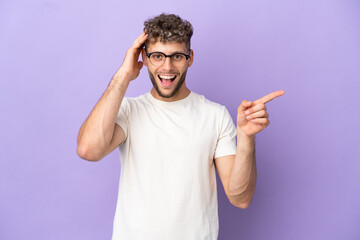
[{"x": 140, "y": 64}]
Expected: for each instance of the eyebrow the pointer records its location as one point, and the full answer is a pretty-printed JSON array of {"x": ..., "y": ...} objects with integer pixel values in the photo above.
[
  {"x": 175, "y": 52},
  {"x": 167, "y": 54}
]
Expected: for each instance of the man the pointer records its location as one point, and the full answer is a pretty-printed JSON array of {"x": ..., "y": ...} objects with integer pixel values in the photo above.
[{"x": 170, "y": 141}]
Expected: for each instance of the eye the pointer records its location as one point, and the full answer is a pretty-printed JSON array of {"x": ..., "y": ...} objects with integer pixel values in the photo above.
[
  {"x": 157, "y": 56},
  {"x": 178, "y": 57}
]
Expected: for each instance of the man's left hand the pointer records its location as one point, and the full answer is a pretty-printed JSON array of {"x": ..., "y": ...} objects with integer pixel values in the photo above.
[{"x": 252, "y": 116}]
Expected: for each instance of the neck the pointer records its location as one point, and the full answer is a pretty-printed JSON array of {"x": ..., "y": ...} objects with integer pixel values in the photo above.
[{"x": 181, "y": 94}]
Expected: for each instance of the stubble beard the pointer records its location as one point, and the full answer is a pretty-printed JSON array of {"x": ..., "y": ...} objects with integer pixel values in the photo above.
[{"x": 176, "y": 89}]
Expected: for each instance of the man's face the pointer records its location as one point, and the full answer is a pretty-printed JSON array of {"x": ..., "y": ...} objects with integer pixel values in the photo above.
[{"x": 168, "y": 79}]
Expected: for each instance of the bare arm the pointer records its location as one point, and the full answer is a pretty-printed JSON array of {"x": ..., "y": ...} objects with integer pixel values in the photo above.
[
  {"x": 238, "y": 172},
  {"x": 243, "y": 173},
  {"x": 97, "y": 131},
  {"x": 99, "y": 134}
]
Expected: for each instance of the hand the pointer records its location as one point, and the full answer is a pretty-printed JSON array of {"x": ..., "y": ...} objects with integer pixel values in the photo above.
[
  {"x": 252, "y": 116},
  {"x": 130, "y": 68}
]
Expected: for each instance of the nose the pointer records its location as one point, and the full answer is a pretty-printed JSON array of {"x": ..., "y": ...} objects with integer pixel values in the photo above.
[{"x": 167, "y": 64}]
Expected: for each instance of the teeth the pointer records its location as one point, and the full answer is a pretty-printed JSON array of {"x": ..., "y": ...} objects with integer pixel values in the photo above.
[{"x": 167, "y": 77}]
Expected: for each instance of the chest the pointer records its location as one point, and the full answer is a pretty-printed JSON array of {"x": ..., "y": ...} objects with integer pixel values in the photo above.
[{"x": 176, "y": 133}]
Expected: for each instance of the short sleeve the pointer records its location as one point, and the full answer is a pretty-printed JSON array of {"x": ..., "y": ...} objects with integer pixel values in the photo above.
[
  {"x": 226, "y": 144},
  {"x": 122, "y": 118}
]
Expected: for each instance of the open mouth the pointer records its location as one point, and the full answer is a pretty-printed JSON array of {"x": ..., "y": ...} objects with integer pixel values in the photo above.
[{"x": 167, "y": 80}]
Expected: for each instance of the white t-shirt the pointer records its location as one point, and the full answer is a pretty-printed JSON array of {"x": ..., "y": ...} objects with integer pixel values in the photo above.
[{"x": 167, "y": 187}]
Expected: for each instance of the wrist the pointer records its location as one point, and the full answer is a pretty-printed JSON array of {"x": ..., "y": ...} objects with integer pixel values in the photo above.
[
  {"x": 120, "y": 79},
  {"x": 123, "y": 74},
  {"x": 243, "y": 136}
]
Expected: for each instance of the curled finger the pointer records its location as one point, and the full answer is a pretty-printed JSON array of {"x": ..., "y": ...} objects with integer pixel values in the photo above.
[
  {"x": 261, "y": 121},
  {"x": 259, "y": 114},
  {"x": 256, "y": 108}
]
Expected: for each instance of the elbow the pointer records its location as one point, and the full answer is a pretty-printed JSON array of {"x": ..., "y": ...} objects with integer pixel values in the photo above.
[
  {"x": 242, "y": 205},
  {"x": 242, "y": 200},
  {"x": 85, "y": 153}
]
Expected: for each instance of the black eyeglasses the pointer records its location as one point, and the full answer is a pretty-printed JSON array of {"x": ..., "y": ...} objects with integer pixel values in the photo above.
[{"x": 158, "y": 58}]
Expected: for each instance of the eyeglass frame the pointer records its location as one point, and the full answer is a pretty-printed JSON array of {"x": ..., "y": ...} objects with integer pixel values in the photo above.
[{"x": 187, "y": 56}]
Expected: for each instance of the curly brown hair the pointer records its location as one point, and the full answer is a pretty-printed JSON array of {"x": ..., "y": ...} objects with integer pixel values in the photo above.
[{"x": 168, "y": 27}]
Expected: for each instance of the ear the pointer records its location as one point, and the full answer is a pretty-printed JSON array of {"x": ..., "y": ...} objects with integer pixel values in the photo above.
[
  {"x": 144, "y": 57},
  {"x": 191, "y": 59}
]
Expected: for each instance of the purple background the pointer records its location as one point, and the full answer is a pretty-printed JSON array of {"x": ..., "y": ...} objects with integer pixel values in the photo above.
[{"x": 57, "y": 57}]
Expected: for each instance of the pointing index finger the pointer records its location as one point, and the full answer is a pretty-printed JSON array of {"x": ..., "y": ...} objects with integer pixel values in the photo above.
[{"x": 270, "y": 96}]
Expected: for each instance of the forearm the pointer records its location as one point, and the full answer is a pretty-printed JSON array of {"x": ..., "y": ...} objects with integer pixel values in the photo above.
[
  {"x": 97, "y": 130},
  {"x": 243, "y": 174}
]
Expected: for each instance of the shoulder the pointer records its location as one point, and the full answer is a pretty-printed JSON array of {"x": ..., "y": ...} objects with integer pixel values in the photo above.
[
  {"x": 132, "y": 102},
  {"x": 216, "y": 113},
  {"x": 202, "y": 101}
]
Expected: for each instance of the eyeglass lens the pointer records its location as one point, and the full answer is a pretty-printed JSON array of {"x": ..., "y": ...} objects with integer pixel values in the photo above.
[{"x": 158, "y": 59}]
